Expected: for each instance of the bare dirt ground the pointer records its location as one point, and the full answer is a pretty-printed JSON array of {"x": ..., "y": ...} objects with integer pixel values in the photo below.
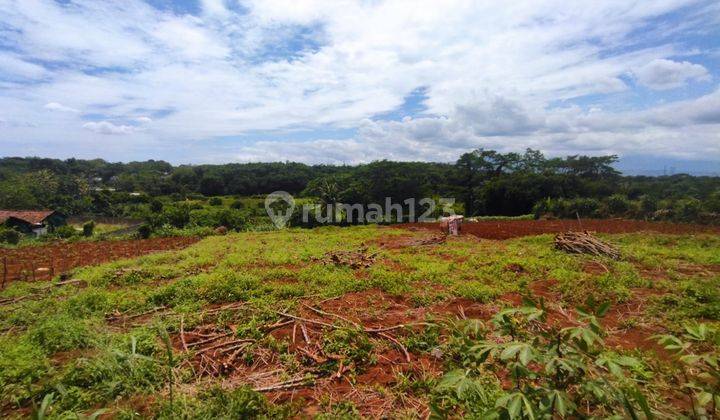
[
  {"x": 44, "y": 262},
  {"x": 506, "y": 229}
]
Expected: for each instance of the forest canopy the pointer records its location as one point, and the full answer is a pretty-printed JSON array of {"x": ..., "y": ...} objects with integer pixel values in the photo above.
[{"x": 486, "y": 182}]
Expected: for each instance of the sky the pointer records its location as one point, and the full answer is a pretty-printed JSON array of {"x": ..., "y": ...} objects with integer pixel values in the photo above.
[{"x": 345, "y": 82}]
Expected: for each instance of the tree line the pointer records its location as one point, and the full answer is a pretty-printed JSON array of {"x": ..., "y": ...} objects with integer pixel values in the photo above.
[{"x": 484, "y": 182}]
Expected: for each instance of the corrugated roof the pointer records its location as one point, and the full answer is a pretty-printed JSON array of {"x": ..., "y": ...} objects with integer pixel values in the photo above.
[{"x": 31, "y": 216}]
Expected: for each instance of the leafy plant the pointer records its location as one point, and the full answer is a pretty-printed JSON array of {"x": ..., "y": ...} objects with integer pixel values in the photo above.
[
  {"x": 696, "y": 351},
  {"x": 552, "y": 371}
]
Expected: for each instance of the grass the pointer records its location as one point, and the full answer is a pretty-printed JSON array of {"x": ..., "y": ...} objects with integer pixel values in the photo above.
[{"x": 63, "y": 343}]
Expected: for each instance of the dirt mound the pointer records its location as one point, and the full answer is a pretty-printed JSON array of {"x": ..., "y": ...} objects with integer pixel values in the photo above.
[
  {"x": 353, "y": 259},
  {"x": 506, "y": 229}
]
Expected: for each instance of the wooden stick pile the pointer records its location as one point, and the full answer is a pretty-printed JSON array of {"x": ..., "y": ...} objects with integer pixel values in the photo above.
[{"x": 585, "y": 243}]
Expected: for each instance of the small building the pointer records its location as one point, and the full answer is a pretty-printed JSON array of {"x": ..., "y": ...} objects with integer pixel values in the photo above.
[{"x": 37, "y": 222}]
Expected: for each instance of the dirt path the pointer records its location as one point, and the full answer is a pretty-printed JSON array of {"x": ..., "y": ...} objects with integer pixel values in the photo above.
[{"x": 506, "y": 229}]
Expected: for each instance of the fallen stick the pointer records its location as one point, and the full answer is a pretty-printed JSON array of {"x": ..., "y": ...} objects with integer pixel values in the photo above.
[
  {"x": 395, "y": 327},
  {"x": 209, "y": 340},
  {"x": 342, "y": 318},
  {"x": 227, "y": 343},
  {"x": 292, "y": 383},
  {"x": 367, "y": 330},
  {"x": 182, "y": 333},
  {"x": 277, "y": 325},
  {"x": 61, "y": 283},
  {"x": 305, "y": 333},
  {"x": 10, "y": 301},
  {"x": 238, "y": 348},
  {"x": 397, "y": 343},
  {"x": 225, "y": 307},
  {"x": 317, "y": 359},
  {"x": 127, "y": 318},
  {"x": 312, "y": 321}
]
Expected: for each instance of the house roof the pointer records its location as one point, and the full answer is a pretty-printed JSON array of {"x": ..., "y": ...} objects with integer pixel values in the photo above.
[{"x": 31, "y": 216}]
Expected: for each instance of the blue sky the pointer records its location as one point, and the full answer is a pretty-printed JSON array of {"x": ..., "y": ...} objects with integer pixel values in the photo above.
[{"x": 342, "y": 81}]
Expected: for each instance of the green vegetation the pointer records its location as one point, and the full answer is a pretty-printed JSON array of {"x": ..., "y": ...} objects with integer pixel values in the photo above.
[
  {"x": 484, "y": 183},
  {"x": 112, "y": 340}
]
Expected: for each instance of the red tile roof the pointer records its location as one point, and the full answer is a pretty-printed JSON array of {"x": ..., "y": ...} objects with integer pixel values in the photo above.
[{"x": 30, "y": 216}]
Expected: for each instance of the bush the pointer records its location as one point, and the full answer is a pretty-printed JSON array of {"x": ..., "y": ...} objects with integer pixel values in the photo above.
[
  {"x": 648, "y": 205},
  {"x": 156, "y": 206},
  {"x": 177, "y": 216},
  {"x": 712, "y": 203},
  {"x": 144, "y": 231},
  {"x": 237, "y": 205},
  {"x": 688, "y": 210},
  {"x": 215, "y": 217},
  {"x": 215, "y": 201},
  {"x": 9, "y": 236},
  {"x": 64, "y": 232},
  {"x": 60, "y": 333},
  {"x": 617, "y": 205},
  {"x": 584, "y": 207},
  {"x": 88, "y": 228}
]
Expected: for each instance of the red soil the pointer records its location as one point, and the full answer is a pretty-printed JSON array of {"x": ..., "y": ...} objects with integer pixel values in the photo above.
[
  {"x": 44, "y": 262},
  {"x": 505, "y": 229}
]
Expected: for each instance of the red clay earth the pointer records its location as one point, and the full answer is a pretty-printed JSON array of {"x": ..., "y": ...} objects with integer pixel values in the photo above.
[
  {"x": 506, "y": 229},
  {"x": 376, "y": 309},
  {"x": 44, "y": 262}
]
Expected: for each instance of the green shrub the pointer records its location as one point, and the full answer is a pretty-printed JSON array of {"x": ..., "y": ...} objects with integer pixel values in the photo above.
[
  {"x": 688, "y": 210},
  {"x": 88, "y": 228},
  {"x": 712, "y": 203},
  {"x": 9, "y": 236},
  {"x": 214, "y": 217},
  {"x": 584, "y": 207},
  {"x": 60, "y": 333},
  {"x": 617, "y": 205},
  {"x": 22, "y": 364},
  {"x": 156, "y": 206},
  {"x": 218, "y": 403},
  {"x": 144, "y": 231},
  {"x": 648, "y": 204},
  {"x": 215, "y": 201},
  {"x": 237, "y": 205},
  {"x": 64, "y": 232},
  {"x": 177, "y": 216}
]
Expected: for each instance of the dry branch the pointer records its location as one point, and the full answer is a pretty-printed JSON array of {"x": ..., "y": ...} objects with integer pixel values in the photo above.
[
  {"x": 585, "y": 243},
  {"x": 292, "y": 383},
  {"x": 397, "y": 343}
]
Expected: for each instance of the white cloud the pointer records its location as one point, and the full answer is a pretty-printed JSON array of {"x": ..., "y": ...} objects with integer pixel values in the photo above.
[
  {"x": 107, "y": 127},
  {"x": 662, "y": 74},
  {"x": 55, "y": 106},
  {"x": 492, "y": 75},
  {"x": 16, "y": 68}
]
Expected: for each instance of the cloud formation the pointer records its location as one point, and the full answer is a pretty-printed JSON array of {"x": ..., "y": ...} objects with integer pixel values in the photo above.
[
  {"x": 330, "y": 81},
  {"x": 664, "y": 74},
  {"x": 55, "y": 106},
  {"x": 106, "y": 127}
]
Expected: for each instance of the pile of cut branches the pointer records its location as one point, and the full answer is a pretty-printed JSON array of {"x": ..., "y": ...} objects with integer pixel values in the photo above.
[
  {"x": 353, "y": 259},
  {"x": 585, "y": 243}
]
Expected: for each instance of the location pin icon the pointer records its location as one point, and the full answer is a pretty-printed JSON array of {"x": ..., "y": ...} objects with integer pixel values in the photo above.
[{"x": 274, "y": 207}]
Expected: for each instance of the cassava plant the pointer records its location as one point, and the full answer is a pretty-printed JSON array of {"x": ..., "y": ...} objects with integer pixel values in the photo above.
[
  {"x": 549, "y": 371},
  {"x": 696, "y": 352}
]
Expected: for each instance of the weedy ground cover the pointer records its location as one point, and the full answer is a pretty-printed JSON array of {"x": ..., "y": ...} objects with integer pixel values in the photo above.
[{"x": 268, "y": 324}]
